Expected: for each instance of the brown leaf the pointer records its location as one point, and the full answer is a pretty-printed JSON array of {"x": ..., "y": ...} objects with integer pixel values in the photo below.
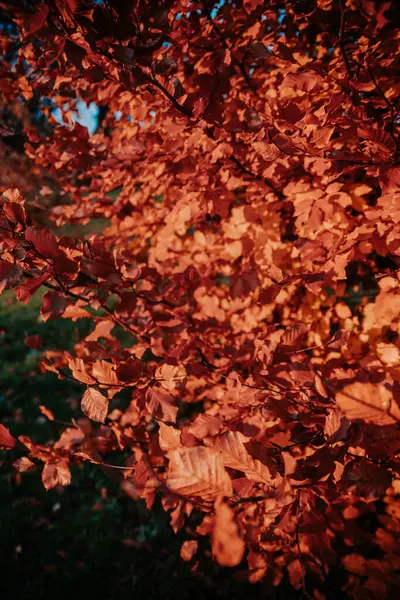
[
  {"x": 161, "y": 405},
  {"x": 94, "y": 405},
  {"x": 373, "y": 403},
  {"x": 366, "y": 480},
  {"x": 56, "y": 474},
  {"x": 79, "y": 371},
  {"x": 336, "y": 426},
  {"x": 291, "y": 334},
  {"x": 268, "y": 152},
  {"x": 289, "y": 462},
  {"x": 234, "y": 455},
  {"x": 104, "y": 373},
  {"x": 103, "y": 329},
  {"x": 228, "y": 547},
  {"x": 198, "y": 471},
  {"x": 205, "y": 425}
]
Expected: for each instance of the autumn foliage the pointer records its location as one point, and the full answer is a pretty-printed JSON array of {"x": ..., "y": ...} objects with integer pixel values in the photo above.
[{"x": 250, "y": 254}]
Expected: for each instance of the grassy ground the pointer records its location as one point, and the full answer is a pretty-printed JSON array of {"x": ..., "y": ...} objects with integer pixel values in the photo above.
[{"x": 89, "y": 539}]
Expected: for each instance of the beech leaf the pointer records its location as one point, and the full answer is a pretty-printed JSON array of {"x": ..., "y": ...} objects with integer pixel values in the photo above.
[
  {"x": 56, "y": 473},
  {"x": 234, "y": 455},
  {"x": 373, "y": 403},
  {"x": 94, "y": 405},
  {"x": 198, "y": 471}
]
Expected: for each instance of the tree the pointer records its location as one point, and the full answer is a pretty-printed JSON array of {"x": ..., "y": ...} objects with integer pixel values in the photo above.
[{"x": 247, "y": 163}]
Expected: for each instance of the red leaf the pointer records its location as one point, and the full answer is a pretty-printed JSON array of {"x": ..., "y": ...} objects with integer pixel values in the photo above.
[
  {"x": 53, "y": 306},
  {"x": 303, "y": 81},
  {"x": 15, "y": 212},
  {"x": 33, "y": 341},
  {"x": 26, "y": 290},
  {"x": 37, "y": 20},
  {"x": 366, "y": 480},
  {"x": 6, "y": 439},
  {"x": 43, "y": 240},
  {"x": 10, "y": 275}
]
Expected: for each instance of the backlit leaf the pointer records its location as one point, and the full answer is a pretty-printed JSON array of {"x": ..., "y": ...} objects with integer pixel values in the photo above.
[
  {"x": 373, "y": 403},
  {"x": 234, "y": 455},
  {"x": 56, "y": 473},
  {"x": 198, "y": 471},
  {"x": 94, "y": 405}
]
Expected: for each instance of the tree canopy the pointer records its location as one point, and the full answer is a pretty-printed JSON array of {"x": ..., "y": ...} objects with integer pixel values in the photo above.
[{"x": 243, "y": 292}]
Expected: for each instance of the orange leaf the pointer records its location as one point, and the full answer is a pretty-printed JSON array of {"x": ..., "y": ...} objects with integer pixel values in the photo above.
[
  {"x": 228, "y": 547},
  {"x": 79, "y": 368},
  {"x": 46, "y": 412},
  {"x": 198, "y": 471},
  {"x": 188, "y": 549},
  {"x": 169, "y": 438},
  {"x": 104, "y": 373},
  {"x": 56, "y": 474},
  {"x": 23, "y": 464},
  {"x": 370, "y": 402},
  {"x": 170, "y": 376},
  {"x": 94, "y": 405},
  {"x": 234, "y": 455}
]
